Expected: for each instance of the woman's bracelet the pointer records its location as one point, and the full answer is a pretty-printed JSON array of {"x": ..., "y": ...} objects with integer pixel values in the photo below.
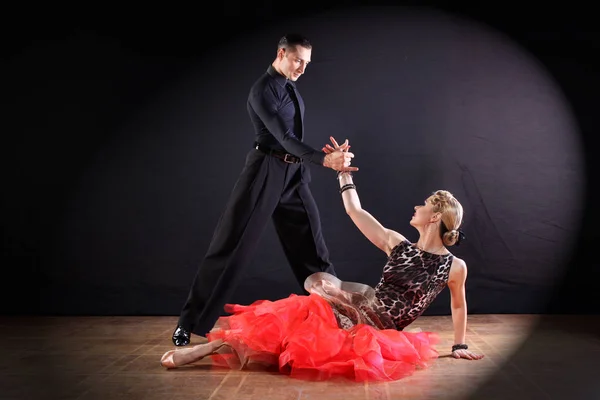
[
  {"x": 461, "y": 346},
  {"x": 347, "y": 186}
]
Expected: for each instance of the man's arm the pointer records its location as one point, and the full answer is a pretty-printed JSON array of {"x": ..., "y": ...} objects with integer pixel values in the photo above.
[{"x": 265, "y": 104}]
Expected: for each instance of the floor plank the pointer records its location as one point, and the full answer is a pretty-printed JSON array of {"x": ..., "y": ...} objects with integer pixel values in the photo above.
[{"x": 118, "y": 358}]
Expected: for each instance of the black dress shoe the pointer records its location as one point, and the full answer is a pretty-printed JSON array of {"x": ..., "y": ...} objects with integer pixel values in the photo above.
[{"x": 181, "y": 337}]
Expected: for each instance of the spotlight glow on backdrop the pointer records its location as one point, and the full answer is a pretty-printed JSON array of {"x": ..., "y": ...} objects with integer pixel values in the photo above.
[{"x": 427, "y": 100}]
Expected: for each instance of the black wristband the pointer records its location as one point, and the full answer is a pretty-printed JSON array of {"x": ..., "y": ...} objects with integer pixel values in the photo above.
[
  {"x": 459, "y": 347},
  {"x": 347, "y": 186}
]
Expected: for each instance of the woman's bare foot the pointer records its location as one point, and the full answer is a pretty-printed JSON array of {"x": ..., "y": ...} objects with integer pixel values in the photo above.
[
  {"x": 176, "y": 358},
  {"x": 167, "y": 359}
]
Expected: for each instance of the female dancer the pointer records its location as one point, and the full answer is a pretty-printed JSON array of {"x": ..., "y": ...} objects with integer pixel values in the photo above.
[{"x": 346, "y": 328}]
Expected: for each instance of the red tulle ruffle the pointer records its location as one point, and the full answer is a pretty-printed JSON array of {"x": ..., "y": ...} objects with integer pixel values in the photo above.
[{"x": 300, "y": 335}]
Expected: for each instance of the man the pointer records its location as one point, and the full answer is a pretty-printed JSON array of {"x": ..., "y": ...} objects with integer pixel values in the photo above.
[{"x": 273, "y": 184}]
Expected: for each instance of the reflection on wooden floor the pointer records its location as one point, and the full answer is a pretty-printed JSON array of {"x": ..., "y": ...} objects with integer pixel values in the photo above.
[{"x": 118, "y": 358}]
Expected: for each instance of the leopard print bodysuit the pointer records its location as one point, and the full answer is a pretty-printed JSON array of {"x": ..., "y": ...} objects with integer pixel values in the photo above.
[{"x": 411, "y": 280}]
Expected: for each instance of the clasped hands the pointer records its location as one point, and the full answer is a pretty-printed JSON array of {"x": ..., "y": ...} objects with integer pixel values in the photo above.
[{"x": 338, "y": 157}]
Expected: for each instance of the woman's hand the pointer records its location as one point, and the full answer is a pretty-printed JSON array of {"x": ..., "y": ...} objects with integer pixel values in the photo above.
[{"x": 466, "y": 354}]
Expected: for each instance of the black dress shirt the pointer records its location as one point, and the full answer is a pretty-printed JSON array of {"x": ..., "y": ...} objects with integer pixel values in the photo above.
[{"x": 277, "y": 113}]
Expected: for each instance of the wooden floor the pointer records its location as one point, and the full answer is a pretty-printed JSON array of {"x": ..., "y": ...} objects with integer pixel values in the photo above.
[{"x": 118, "y": 358}]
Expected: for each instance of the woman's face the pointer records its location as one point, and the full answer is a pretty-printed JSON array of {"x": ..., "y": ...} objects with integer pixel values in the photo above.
[{"x": 423, "y": 214}]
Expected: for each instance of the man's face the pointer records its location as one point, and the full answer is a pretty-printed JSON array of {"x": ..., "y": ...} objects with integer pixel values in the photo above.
[{"x": 294, "y": 61}]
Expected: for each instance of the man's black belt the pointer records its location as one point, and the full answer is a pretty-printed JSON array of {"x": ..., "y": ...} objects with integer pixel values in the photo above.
[{"x": 288, "y": 158}]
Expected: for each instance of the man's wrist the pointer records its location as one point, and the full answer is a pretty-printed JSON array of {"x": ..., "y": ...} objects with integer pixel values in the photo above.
[{"x": 326, "y": 162}]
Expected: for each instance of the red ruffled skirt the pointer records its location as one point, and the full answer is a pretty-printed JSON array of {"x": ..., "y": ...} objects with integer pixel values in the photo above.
[{"x": 300, "y": 335}]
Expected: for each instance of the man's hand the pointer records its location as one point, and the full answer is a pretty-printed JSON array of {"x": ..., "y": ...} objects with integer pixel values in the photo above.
[
  {"x": 338, "y": 157},
  {"x": 328, "y": 149}
]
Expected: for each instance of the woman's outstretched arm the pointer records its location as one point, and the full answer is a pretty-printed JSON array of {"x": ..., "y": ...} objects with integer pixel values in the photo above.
[{"x": 382, "y": 237}]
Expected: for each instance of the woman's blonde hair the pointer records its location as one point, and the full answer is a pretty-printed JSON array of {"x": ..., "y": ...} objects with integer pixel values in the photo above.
[{"x": 452, "y": 214}]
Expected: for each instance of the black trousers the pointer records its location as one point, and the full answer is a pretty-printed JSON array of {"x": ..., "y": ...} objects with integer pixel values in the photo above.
[{"x": 268, "y": 188}]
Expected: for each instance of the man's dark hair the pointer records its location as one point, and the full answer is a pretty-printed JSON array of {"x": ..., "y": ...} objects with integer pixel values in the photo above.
[{"x": 291, "y": 40}]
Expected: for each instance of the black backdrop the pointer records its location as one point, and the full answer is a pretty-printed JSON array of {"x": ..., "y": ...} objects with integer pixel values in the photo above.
[
  {"x": 124, "y": 130},
  {"x": 124, "y": 134}
]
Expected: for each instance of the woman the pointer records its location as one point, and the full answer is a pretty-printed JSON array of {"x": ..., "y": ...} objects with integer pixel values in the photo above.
[{"x": 350, "y": 329}]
